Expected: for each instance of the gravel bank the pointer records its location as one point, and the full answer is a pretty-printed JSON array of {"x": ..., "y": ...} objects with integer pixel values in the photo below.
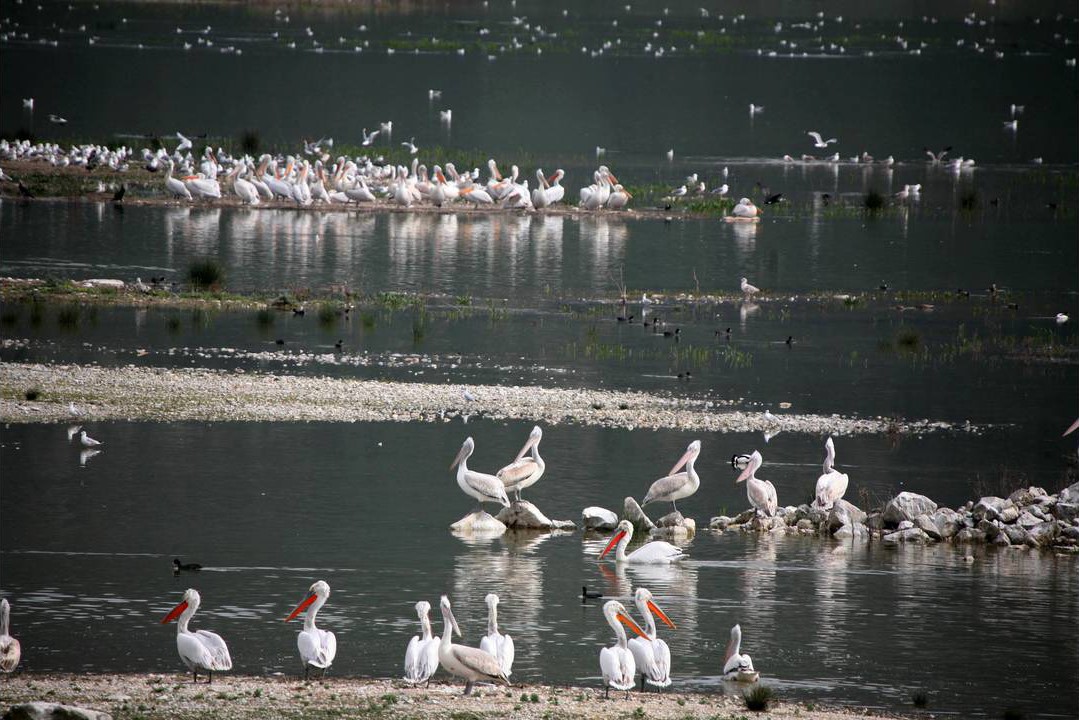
[
  {"x": 165, "y": 394},
  {"x": 238, "y": 698}
]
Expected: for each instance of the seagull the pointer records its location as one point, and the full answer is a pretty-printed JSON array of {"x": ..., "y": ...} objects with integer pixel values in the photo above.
[
  {"x": 679, "y": 191},
  {"x": 1061, "y": 318},
  {"x": 369, "y": 138},
  {"x": 821, "y": 143},
  {"x": 721, "y": 190},
  {"x": 57, "y": 119},
  {"x": 28, "y": 103},
  {"x": 185, "y": 144},
  {"x": 468, "y": 396},
  {"x": 432, "y": 94},
  {"x": 1012, "y": 125},
  {"x": 88, "y": 441},
  {"x": 74, "y": 411},
  {"x": 747, "y": 289},
  {"x": 445, "y": 116},
  {"x": 936, "y": 158},
  {"x": 755, "y": 109},
  {"x": 1017, "y": 109},
  {"x": 600, "y": 151},
  {"x": 670, "y": 155},
  {"x": 411, "y": 145}
]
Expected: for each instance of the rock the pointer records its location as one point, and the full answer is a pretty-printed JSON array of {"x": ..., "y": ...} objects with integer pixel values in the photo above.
[
  {"x": 632, "y": 512},
  {"x": 1044, "y": 533},
  {"x": 970, "y": 535},
  {"x": 1028, "y": 519},
  {"x": 479, "y": 521},
  {"x": 875, "y": 521},
  {"x": 1066, "y": 511},
  {"x": 687, "y": 529},
  {"x": 597, "y": 518},
  {"x": 948, "y": 522},
  {"x": 1017, "y": 535},
  {"x": 743, "y": 517},
  {"x": 800, "y": 512},
  {"x": 991, "y": 529},
  {"x": 1009, "y": 514},
  {"x": 671, "y": 519},
  {"x": 1027, "y": 496},
  {"x": 1069, "y": 531},
  {"x": 911, "y": 534},
  {"x": 805, "y": 524},
  {"x": 844, "y": 513},
  {"x": 1069, "y": 494},
  {"x": 1002, "y": 540},
  {"x": 765, "y": 524},
  {"x": 817, "y": 516},
  {"x": 926, "y": 524},
  {"x": 857, "y": 530},
  {"x": 1038, "y": 512},
  {"x": 523, "y": 515},
  {"x": 989, "y": 508},
  {"x": 52, "y": 711},
  {"x": 721, "y": 522},
  {"x": 907, "y": 506},
  {"x": 905, "y": 525}
]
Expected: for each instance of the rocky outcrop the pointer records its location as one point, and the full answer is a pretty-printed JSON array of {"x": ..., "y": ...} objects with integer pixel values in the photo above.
[
  {"x": 478, "y": 521},
  {"x": 523, "y": 515},
  {"x": 906, "y": 506},
  {"x": 632, "y": 512},
  {"x": 597, "y": 518},
  {"x": 52, "y": 711}
]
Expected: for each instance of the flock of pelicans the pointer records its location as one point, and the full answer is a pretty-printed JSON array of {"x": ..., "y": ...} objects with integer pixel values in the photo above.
[{"x": 646, "y": 657}]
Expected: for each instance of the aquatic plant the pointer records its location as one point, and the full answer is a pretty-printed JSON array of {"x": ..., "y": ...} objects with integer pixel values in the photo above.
[
  {"x": 173, "y": 324},
  {"x": 32, "y": 394},
  {"x": 759, "y": 698},
  {"x": 68, "y": 317},
  {"x": 327, "y": 315},
  {"x": 920, "y": 700},
  {"x": 205, "y": 273},
  {"x": 874, "y": 201},
  {"x": 908, "y": 339},
  {"x": 250, "y": 141}
]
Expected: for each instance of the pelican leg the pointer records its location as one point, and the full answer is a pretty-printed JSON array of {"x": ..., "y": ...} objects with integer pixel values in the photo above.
[
  {"x": 195, "y": 676},
  {"x": 675, "y": 504},
  {"x": 468, "y": 688},
  {"x": 642, "y": 682},
  {"x": 210, "y": 673},
  {"x": 606, "y": 692}
]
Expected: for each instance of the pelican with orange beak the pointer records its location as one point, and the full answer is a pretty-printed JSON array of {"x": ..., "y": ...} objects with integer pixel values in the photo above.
[
  {"x": 524, "y": 471},
  {"x": 202, "y": 649},
  {"x": 616, "y": 663},
  {"x": 653, "y": 553},
  {"x": 761, "y": 493},
  {"x": 317, "y": 647},
  {"x": 677, "y": 485},
  {"x": 483, "y": 487},
  {"x": 651, "y": 654},
  {"x": 555, "y": 191}
]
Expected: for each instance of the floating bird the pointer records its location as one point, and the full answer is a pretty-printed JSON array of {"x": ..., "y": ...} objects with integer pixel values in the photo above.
[
  {"x": 469, "y": 663},
  {"x": 57, "y": 120},
  {"x": 1061, "y": 318},
  {"x": 317, "y": 647},
  {"x": 832, "y": 484},
  {"x": 483, "y": 487},
  {"x": 524, "y": 472},
  {"x": 650, "y": 653},
  {"x": 773, "y": 199},
  {"x": 616, "y": 663},
  {"x": 445, "y": 116},
  {"x": 10, "y": 649},
  {"x": 747, "y": 289},
  {"x": 761, "y": 493},
  {"x": 431, "y": 95},
  {"x": 745, "y": 208},
  {"x": 200, "y": 650},
  {"x": 938, "y": 157},
  {"x": 755, "y": 109},
  {"x": 735, "y": 665},
  {"x": 587, "y": 594},
  {"x": 820, "y": 142},
  {"x": 1011, "y": 125},
  {"x": 674, "y": 487},
  {"x": 652, "y": 553},
  {"x": 421, "y": 657},
  {"x": 177, "y": 566},
  {"x": 494, "y": 642},
  {"x": 88, "y": 441},
  {"x": 670, "y": 155}
]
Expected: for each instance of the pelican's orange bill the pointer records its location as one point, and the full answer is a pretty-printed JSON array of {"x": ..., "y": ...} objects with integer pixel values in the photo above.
[
  {"x": 612, "y": 177},
  {"x": 659, "y": 613},
  {"x": 614, "y": 541},
  {"x": 301, "y": 607},
  {"x": 175, "y": 612},
  {"x": 628, "y": 622}
]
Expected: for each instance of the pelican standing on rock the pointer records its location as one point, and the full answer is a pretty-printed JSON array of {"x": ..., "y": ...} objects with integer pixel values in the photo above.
[
  {"x": 675, "y": 487},
  {"x": 653, "y": 553},
  {"x": 652, "y": 656},
  {"x": 483, "y": 487},
  {"x": 736, "y": 666},
  {"x": 832, "y": 484},
  {"x": 202, "y": 649},
  {"x": 317, "y": 647},
  {"x": 524, "y": 471},
  {"x": 469, "y": 663},
  {"x": 421, "y": 657},
  {"x": 10, "y": 649},
  {"x": 616, "y": 663},
  {"x": 494, "y": 642},
  {"x": 761, "y": 493}
]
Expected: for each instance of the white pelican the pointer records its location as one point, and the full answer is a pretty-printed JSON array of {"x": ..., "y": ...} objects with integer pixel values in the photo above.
[
  {"x": 736, "y": 666},
  {"x": 10, "y": 650},
  {"x": 832, "y": 484},
  {"x": 483, "y": 487},
  {"x": 524, "y": 472},
  {"x": 200, "y": 650},
  {"x": 616, "y": 663},
  {"x": 539, "y": 195},
  {"x": 651, "y": 654},
  {"x": 619, "y": 198},
  {"x": 244, "y": 189},
  {"x": 173, "y": 185},
  {"x": 369, "y": 138},
  {"x": 421, "y": 657},
  {"x": 203, "y": 187},
  {"x": 820, "y": 142},
  {"x": 675, "y": 487},
  {"x": 88, "y": 441},
  {"x": 745, "y": 208},
  {"x": 747, "y": 289},
  {"x": 761, "y": 493},
  {"x": 478, "y": 195},
  {"x": 185, "y": 144},
  {"x": 494, "y": 642},
  {"x": 317, "y": 647},
  {"x": 656, "y": 552},
  {"x": 556, "y": 192},
  {"x": 469, "y": 663}
]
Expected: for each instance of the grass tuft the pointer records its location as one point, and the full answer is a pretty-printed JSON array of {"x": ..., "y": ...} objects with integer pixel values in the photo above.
[
  {"x": 759, "y": 698},
  {"x": 32, "y": 394},
  {"x": 265, "y": 318},
  {"x": 874, "y": 201},
  {"x": 205, "y": 274},
  {"x": 250, "y": 141}
]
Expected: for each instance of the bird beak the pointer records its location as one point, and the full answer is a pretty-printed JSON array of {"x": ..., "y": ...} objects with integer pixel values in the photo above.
[
  {"x": 302, "y": 606},
  {"x": 460, "y": 456},
  {"x": 612, "y": 177},
  {"x": 628, "y": 193},
  {"x": 552, "y": 178},
  {"x": 175, "y": 613},
  {"x": 628, "y": 622},
  {"x": 528, "y": 446},
  {"x": 745, "y": 473},
  {"x": 453, "y": 622},
  {"x": 660, "y": 614},
  {"x": 681, "y": 462},
  {"x": 614, "y": 541}
]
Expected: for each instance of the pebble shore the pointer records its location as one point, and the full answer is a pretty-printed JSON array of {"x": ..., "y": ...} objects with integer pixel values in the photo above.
[{"x": 188, "y": 394}]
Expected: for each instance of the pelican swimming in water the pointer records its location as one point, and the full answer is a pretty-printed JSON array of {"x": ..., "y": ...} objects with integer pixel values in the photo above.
[
  {"x": 832, "y": 484},
  {"x": 524, "y": 471},
  {"x": 202, "y": 649},
  {"x": 761, "y": 493},
  {"x": 616, "y": 663},
  {"x": 736, "y": 666},
  {"x": 494, "y": 642},
  {"x": 745, "y": 209},
  {"x": 653, "y": 553},
  {"x": 675, "y": 487},
  {"x": 483, "y": 487},
  {"x": 650, "y": 653},
  {"x": 421, "y": 657},
  {"x": 10, "y": 649},
  {"x": 317, "y": 647},
  {"x": 469, "y": 663}
]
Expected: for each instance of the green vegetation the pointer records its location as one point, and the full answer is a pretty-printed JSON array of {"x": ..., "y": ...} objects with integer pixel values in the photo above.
[
  {"x": 759, "y": 698},
  {"x": 32, "y": 394},
  {"x": 874, "y": 201},
  {"x": 205, "y": 274}
]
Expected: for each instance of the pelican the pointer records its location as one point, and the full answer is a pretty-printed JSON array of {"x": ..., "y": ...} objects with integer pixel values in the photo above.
[
  {"x": 761, "y": 493},
  {"x": 832, "y": 484},
  {"x": 10, "y": 650},
  {"x": 820, "y": 143},
  {"x": 675, "y": 487},
  {"x": 494, "y": 642},
  {"x": 244, "y": 189},
  {"x": 200, "y": 650},
  {"x": 524, "y": 472},
  {"x": 185, "y": 144},
  {"x": 539, "y": 195},
  {"x": 421, "y": 657},
  {"x": 483, "y": 487},
  {"x": 469, "y": 663},
  {"x": 747, "y": 289},
  {"x": 656, "y": 552},
  {"x": 88, "y": 441},
  {"x": 736, "y": 666},
  {"x": 555, "y": 191},
  {"x": 317, "y": 647},
  {"x": 651, "y": 654},
  {"x": 619, "y": 198},
  {"x": 369, "y": 138},
  {"x": 745, "y": 208},
  {"x": 616, "y": 663},
  {"x": 175, "y": 186}
]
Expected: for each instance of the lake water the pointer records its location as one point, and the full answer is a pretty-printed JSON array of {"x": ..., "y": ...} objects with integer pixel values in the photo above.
[{"x": 86, "y": 548}]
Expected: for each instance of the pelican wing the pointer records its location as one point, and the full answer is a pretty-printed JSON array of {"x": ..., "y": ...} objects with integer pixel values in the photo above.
[
  {"x": 216, "y": 648},
  {"x": 618, "y": 667},
  {"x": 830, "y": 488},
  {"x": 413, "y": 660},
  {"x": 506, "y": 654},
  {"x": 481, "y": 663},
  {"x": 771, "y": 499},
  {"x": 10, "y": 652},
  {"x": 658, "y": 551},
  {"x": 667, "y": 488},
  {"x": 517, "y": 471},
  {"x": 644, "y": 657},
  {"x": 663, "y": 663},
  {"x": 487, "y": 485},
  {"x": 317, "y": 647}
]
